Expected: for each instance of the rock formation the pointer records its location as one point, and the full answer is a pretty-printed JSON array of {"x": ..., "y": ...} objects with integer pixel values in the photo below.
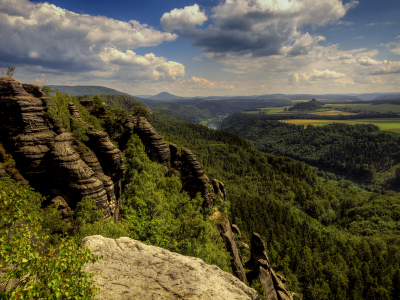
[
  {"x": 133, "y": 270},
  {"x": 225, "y": 231},
  {"x": 156, "y": 148},
  {"x": 219, "y": 189},
  {"x": 261, "y": 270},
  {"x": 53, "y": 161}
]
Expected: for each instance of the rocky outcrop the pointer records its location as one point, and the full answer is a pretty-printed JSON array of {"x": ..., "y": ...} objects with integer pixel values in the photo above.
[
  {"x": 236, "y": 230},
  {"x": 156, "y": 148},
  {"x": 88, "y": 104},
  {"x": 112, "y": 162},
  {"x": 261, "y": 270},
  {"x": 133, "y": 270},
  {"x": 72, "y": 178},
  {"x": 219, "y": 189},
  {"x": 225, "y": 232},
  {"x": 53, "y": 160}
]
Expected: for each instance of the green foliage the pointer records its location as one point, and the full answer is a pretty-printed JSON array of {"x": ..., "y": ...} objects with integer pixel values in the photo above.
[
  {"x": 160, "y": 214},
  {"x": 310, "y": 105},
  {"x": 10, "y": 71},
  {"x": 47, "y": 91},
  {"x": 61, "y": 101},
  {"x": 359, "y": 149},
  {"x": 54, "y": 272},
  {"x": 140, "y": 111},
  {"x": 281, "y": 199},
  {"x": 79, "y": 130},
  {"x": 86, "y": 212},
  {"x": 259, "y": 288}
]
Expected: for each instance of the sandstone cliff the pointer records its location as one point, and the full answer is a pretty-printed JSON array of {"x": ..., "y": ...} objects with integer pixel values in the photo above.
[
  {"x": 133, "y": 270},
  {"x": 53, "y": 161}
]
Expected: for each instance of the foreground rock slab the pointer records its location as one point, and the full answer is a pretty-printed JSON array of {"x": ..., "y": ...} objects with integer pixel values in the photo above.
[{"x": 133, "y": 270}]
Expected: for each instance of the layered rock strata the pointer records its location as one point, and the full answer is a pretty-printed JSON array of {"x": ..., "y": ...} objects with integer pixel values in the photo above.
[
  {"x": 133, "y": 270},
  {"x": 261, "y": 270},
  {"x": 53, "y": 161},
  {"x": 156, "y": 148}
]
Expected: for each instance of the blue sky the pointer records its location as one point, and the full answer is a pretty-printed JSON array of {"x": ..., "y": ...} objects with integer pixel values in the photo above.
[{"x": 203, "y": 48}]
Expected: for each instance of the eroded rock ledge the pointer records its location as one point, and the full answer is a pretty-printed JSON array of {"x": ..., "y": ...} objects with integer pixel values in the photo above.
[{"x": 133, "y": 270}]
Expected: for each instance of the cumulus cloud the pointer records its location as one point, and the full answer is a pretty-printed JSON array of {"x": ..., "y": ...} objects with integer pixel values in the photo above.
[
  {"x": 385, "y": 67},
  {"x": 266, "y": 27},
  {"x": 41, "y": 80},
  {"x": 327, "y": 74},
  {"x": 183, "y": 18},
  {"x": 42, "y": 34},
  {"x": 147, "y": 67},
  {"x": 200, "y": 84}
]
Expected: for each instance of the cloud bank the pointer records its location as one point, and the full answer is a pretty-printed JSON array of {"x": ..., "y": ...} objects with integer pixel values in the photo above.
[
  {"x": 58, "y": 40},
  {"x": 265, "y": 27}
]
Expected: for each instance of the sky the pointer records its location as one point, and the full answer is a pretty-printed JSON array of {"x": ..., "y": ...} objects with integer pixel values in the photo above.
[{"x": 205, "y": 48}]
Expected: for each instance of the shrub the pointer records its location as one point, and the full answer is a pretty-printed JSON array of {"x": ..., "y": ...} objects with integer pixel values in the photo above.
[{"x": 54, "y": 272}]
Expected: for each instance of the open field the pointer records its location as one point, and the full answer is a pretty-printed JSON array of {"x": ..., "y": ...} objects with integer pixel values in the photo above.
[
  {"x": 389, "y": 124},
  {"x": 331, "y": 113}
]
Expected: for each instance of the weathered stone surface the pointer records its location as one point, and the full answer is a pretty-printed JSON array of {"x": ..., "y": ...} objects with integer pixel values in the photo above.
[
  {"x": 133, "y": 270},
  {"x": 193, "y": 178},
  {"x": 129, "y": 129},
  {"x": 88, "y": 104},
  {"x": 219, "y": 189},
  {"x": 156, "y": 148},
  {"x": 73, "y": 179},
  {"x": 225, "y": 231},
  {"x": 236, "y": 230},
  {"x": 112, "y": 163},
  {"x": 261, "y": 270}
]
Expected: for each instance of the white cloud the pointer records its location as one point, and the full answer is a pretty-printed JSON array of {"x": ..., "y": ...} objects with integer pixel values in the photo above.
[
  {"x": 266, "y": 27},
  {"x": 58, "y": 40},
  {"x": 41, "y": 80},
  {"x": 326, "y": 74},
  {"x": 183, "y": 18},
  {"x": 385, "y": 67},
  {"x": 198, "y": 84}
]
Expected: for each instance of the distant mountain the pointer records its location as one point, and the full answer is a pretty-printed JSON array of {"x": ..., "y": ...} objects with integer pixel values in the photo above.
[
  {"x": 389, "y": 97},
  {"x": 164, "y": 96},
  {"x": 86, "y": 90}
]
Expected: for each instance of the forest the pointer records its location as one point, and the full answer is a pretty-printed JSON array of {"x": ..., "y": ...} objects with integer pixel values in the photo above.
[
  {"x": 309, "y": 105},
  {"x": 329, "y": 242},
  {"x": 361, "y": 149}
]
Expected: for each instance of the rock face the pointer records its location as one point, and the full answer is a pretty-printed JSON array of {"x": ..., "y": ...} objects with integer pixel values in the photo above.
[
  {"x": 53, "y": 161},
  {"x": 261, "y": 270},
  {"x": 156, "y": 148},
  {"x": 133, "y": 270},
  {"x": 219, "y": 189},
  {"x": 224, "y": 228}
]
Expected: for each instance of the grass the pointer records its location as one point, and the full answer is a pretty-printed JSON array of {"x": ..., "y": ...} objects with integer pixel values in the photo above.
[
  {"x": 388, "y": 124},
  {"x": 331, "y": 113}
]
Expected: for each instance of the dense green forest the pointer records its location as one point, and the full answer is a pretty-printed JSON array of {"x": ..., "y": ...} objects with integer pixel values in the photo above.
[
  {"x": 309, "y": 105},
  {"x": 361, "y": 149},
  {"x": 354, "y": 256},
  {"x": 329, "y": 242}
]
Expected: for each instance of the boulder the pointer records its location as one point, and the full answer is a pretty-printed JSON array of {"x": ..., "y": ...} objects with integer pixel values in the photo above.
[{"x": 133, "y": 270}]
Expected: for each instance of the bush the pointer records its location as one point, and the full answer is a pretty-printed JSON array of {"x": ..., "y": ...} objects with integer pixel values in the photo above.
[{"x": 54, "y": 272}]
